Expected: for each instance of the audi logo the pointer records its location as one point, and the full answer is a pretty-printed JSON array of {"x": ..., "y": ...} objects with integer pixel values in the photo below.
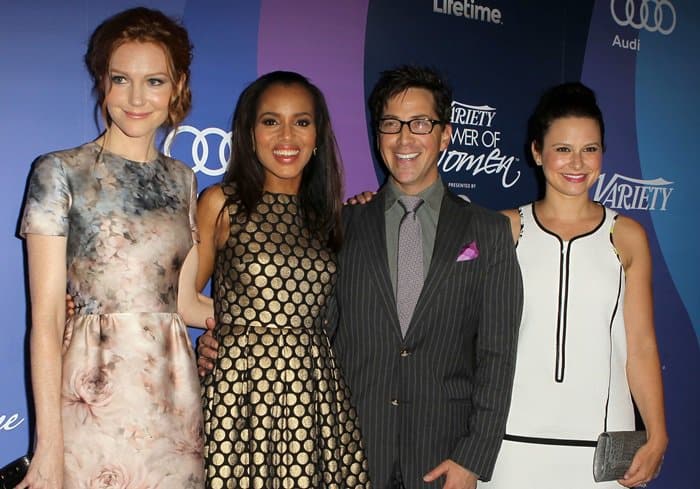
[
  {"x": 660, "y": 17},
  {"x": 200, "y": 148}
]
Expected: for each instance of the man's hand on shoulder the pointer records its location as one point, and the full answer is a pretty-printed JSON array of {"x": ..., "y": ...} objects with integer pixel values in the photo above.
[
  {"x": 456, "y": 476},
  {"x": 361, "y": 198},
  {"x": 70, "y": 306},
  {"x": 207, "y": 349}
]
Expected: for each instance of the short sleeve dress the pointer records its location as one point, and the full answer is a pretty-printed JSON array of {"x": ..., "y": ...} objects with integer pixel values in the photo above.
[
  {"x": 130, "y": 399},
  {"x": 277, "y": 410}
]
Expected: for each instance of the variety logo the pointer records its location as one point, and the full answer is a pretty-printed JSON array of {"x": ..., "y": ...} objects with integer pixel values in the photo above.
[
  {"x": 467, "y": 9},
  {"x": 475, "y": 146},
  {"x": 621, "y": 192},
  {"x": 9, "y": 423},
  {"x": 650, "y": 15},
  {"x": 212, "y": 165}
]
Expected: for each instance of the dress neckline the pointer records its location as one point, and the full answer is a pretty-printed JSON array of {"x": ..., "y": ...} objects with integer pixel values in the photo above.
[
  {"x": 281, "y": 194},
  {"x": 102, "y": 150},
  {"x": 575, "y": 237}
]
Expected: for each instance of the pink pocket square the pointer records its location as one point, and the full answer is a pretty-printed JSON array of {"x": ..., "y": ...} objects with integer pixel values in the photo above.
[{"x": 469, "y": 252}]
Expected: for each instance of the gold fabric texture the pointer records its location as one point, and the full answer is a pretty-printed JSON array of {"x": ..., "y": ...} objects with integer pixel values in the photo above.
[{"x": 276, "y": 407}]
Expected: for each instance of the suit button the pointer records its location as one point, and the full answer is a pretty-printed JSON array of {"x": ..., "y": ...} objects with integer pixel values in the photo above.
[
  {"x": 405, "y": 352},
  {"x": 394, "y": 402}
]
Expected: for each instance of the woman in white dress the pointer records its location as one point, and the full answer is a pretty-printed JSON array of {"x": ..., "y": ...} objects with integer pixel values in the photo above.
[{"x": 587, "y": 345}]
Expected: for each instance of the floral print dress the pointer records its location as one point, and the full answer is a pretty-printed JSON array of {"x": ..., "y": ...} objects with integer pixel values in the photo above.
[{"x": 130, "y": 395}]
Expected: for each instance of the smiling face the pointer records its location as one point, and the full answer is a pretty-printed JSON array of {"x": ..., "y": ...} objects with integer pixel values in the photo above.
[
  {"x": 571, "y": 156},
  {"x": 284, "y": 136},
  {"x": 138, "y": 93},
  {"x": 412, "y": 158}
]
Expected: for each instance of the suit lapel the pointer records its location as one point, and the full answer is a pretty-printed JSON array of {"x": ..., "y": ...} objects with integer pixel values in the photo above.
[
  {"x": 449, "y": 236},
  {"x": 373, "y": 240}
]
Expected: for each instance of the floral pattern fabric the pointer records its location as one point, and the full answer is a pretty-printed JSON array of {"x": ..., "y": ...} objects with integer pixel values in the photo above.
[{"x": 131, "y": 408}]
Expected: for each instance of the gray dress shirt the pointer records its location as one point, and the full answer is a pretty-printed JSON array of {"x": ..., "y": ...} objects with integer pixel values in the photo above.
[{"x": 428, "y": 214}]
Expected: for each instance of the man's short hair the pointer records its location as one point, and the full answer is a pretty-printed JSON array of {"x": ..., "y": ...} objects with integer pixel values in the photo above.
[{"x": 398, "y": 80}]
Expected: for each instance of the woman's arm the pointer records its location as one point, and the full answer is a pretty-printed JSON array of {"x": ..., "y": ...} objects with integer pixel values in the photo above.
[
  {"x": 47, "y": 285},
  {"x": 199, "y": 264},
  {"x": 192, "y": 306},
  {"x": 643, "y": 364},
  {"x": 213, "y": 231}
]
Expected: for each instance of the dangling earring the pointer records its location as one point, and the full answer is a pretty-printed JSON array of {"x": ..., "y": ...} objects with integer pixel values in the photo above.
[{"x": 314, "y": 151}]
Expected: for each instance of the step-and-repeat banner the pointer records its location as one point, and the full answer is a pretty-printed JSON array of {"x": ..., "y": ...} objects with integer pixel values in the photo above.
[{"x": 640, "y": 56}]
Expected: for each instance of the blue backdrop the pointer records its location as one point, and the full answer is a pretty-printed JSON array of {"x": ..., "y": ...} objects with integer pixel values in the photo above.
[{"x": 498, "y": 55}]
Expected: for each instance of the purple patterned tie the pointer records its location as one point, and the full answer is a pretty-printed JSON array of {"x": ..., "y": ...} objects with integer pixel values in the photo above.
[{"x": 409, "y": 272}]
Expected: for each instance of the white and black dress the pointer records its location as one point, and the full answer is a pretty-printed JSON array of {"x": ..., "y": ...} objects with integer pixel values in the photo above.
[{"x": 570, "y": 382}]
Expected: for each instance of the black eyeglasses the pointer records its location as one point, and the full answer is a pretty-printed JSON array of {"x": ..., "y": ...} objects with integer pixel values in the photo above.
[{"x": 392, "y": 125}]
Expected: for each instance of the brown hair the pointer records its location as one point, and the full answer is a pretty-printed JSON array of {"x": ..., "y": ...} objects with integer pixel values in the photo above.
[
  {"x": 143, "y": 25},
  {"x": 572, "y": 99}
]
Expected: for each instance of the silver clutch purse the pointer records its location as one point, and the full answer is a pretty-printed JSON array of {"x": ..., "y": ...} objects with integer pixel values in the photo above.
[{"x": 614, "y": 453}]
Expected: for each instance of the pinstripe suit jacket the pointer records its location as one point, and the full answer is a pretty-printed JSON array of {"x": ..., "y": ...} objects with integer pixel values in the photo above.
[{"x": 444, "y": 390}]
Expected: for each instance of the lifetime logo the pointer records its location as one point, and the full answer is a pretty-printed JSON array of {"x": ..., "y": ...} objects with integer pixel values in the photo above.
[
  {"x": 638, "y": 14},
  {"x": 468, "y": 9},
  {"x": 9, "y": 423},
  {"x": 200, "y": 148}
]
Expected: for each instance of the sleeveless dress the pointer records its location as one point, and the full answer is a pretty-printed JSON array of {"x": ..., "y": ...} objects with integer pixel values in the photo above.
[
  {"x": 277, "y": 411},
  {"x": 570, "y": 381},
  {"x": 130, "y": 394}
]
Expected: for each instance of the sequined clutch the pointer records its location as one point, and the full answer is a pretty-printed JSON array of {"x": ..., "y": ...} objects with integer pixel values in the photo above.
[
  {"x": 614, "y": 453},
  {"x": 13, "y": 473}
]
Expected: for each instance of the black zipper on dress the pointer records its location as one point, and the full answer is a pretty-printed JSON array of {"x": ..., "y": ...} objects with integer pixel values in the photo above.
[{"x": 560, "y": 361}]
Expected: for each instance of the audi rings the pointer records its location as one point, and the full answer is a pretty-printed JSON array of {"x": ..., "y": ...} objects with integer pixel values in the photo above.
[
  {"x": 200, "y": 149},
  {"x": 661, "y": 17}
]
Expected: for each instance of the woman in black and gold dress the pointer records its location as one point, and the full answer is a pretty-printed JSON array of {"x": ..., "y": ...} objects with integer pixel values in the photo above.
[{"x": 277, "y": 411}]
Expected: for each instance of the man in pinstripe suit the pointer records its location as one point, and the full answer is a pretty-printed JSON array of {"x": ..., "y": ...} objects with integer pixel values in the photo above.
[
  {"x": 432, "y": 399},
  {"x": 432, "y": 402}
]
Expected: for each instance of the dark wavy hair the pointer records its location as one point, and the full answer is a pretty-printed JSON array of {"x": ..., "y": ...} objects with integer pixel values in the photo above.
[
  {"x": 141, "y": 24},
  {"x": 571, "y": 99},
  {"x": 398, "y": 80},
  {"x": 320, "y": 192}
]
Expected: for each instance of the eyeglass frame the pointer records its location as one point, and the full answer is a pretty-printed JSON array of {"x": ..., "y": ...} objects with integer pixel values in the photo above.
[{"x": 433, "y": 123}]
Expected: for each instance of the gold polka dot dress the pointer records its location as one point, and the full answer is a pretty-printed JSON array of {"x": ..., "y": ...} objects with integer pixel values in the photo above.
[{"x": 276, "y": 407}]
